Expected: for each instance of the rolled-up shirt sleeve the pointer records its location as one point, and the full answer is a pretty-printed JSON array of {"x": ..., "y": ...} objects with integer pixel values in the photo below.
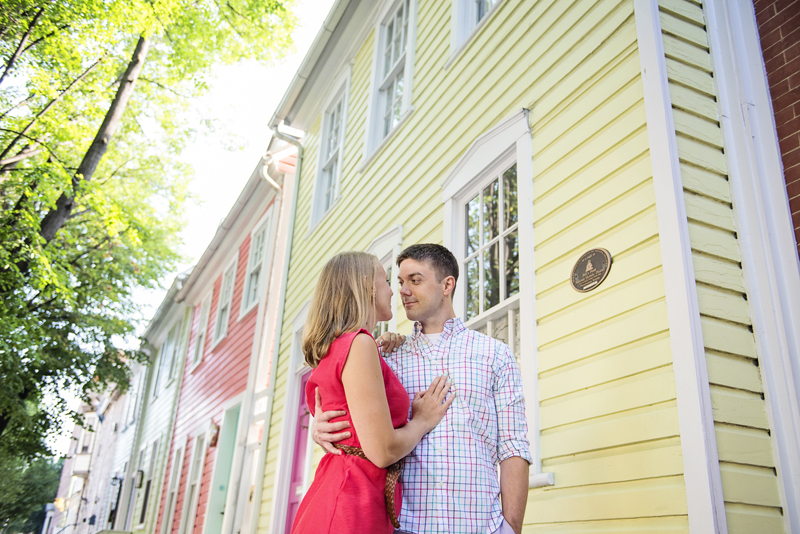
[{"x": 509, "y": 401}]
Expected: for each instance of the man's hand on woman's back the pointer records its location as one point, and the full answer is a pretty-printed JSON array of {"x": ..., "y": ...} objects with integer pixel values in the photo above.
[{"x": 323, "y": 433}]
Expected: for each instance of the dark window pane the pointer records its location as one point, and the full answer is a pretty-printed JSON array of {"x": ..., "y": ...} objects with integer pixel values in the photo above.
[
  {"x": 490, "y": 205},
  {"x": 510, "y": 197},
  {"x": 473, "y": 222},
  {"x": 473, "y": 288},
  {"x": 491, "y": 276},
  {"x": 511, "y": 253}
]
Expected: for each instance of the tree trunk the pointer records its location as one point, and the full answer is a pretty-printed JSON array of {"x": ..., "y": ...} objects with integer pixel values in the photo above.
[
  {"x": 56, "y": 217},
  {"x": 21, "y": 46}
]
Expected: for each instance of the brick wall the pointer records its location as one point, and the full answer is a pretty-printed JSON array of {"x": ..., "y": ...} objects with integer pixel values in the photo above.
[{"x": 779, "y": 26}]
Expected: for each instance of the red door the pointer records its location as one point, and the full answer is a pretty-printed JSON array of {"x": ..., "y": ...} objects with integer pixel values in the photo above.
[{"x": 299, "y": 456}]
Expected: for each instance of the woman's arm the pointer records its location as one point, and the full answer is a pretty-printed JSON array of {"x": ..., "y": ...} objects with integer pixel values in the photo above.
[{"x": 366, "y": 397}]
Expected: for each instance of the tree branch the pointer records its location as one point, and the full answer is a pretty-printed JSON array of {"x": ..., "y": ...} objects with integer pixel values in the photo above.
[
  {"x": 48, "y": 107},
  {"x": 21, "y": 45}
]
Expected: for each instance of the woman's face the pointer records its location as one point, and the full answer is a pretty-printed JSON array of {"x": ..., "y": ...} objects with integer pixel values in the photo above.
[{"x": 383, "y": 295}]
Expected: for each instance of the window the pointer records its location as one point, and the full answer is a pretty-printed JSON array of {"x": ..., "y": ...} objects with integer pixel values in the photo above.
[
  {"x": 148, "y": 485},
  {"x": 468, "y": 16},
  {"x": 386, "y": 247},
  {"x": 166, "y": 357},
  {"x": 133, "y": 396},
  {"x": 253, "y": 280},
  {"x": 392, "y": 71},
  {"x": 489, "y": 229},
  {"x": 172, "y": 489},
  {"x": 193, "y": 485},
  {"x": 331, "y": 152},
  {"x": 202, "y": 327},
  {"x": 224, "y": 305}
]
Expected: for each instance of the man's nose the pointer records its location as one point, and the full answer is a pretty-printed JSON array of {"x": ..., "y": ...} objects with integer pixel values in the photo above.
[{"x": 404, "y": 289}]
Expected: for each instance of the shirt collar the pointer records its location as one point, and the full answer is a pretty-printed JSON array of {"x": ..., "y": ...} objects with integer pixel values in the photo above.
[{"x": 451, "y": 327}]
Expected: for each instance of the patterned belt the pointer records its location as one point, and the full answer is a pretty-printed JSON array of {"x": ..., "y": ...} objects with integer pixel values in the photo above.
[{"x": 392, "y": 476}]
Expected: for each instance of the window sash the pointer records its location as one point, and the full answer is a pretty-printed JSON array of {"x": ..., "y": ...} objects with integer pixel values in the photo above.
[
  {"x": 254, "y": 266},
  {"x": 225, "y": 297},
  {"x": 200, "y": 341}
]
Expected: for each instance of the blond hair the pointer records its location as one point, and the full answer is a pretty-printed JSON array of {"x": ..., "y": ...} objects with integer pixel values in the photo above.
[{"x": 342, "y": 302}]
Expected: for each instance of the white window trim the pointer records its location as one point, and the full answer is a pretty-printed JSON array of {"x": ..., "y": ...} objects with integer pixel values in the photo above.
[
  {"x": 202, "y": 327},
  {"x": 297, "y": 368},
  {"x": 462, "y": 30},
  {"x": 189, "y": 512},
  {"x": 341, "y": 91},
  {"x": 510, "y": 137},
  {"x": 178, "y": 457},
  {"x": 387, "y": 247},
  {"x": 373, "y": 142},
  {"x": 763, "y": 216},
  {"x": 232, "y": 266},
  {"x": 266, "y": 224},
  {"x": 158, "y": 362}
]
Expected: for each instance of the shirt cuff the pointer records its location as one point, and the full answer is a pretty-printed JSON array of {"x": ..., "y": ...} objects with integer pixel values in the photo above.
[{"x": 513, "y": 448}]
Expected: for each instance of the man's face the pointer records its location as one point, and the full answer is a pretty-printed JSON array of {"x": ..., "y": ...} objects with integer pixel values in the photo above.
[{"x": 423, "y": 295}]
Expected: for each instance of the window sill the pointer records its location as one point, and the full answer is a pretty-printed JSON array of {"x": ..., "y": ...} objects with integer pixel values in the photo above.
[
  {"x": 245, "y": 311},
  {"x": 386, "y": 140},
  {"x": 312, "y": 227},
  {"x": 541, "y": 480},
  {"x": 195, "y": 365},
  {"x": 471, "y": 35}
]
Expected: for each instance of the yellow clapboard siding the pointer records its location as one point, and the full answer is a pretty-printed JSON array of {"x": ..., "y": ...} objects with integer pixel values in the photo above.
[
  {"x": 742, "y": 445},
  {"x": 631, "y": 462},
  {"x": 684, "y": 52},
  {"x": 744, "y": 519},
  {"x": 716, "y": 272},
  {"x": 631, "y": 359},
  {"x": 738, "y": 407},
  {"x": 624, "y": 267},
  {"x": 714, "y": 242},
  {"x": 727, "y": 337},
  {"x": 647, "y": 388},
  {"x": 683, "y": 9},
  {"x": 689, "y": 76},
  {"x": 723, "y": 304},
  {"x": 600, "y": 141},
  {"x": 639, "y": 229},
  {"x": 710, "y": 212},
  {"x": 704, "y": 182},
  {"x": 683, "y": 30},
  {"x": 749, "y": 485},
  {"x": 639, "y": 425},
  {"x": 612, "y": 302},
  {"x": 663, "y": 496},
  {"x": 733, "y": 372},
  {"x": 635, "y": 325},
  {"x": 593, "y": 199},
  {"x": 697, "y": 127},
  {"x": 628, "y": 157},
  {"x": 610, "y": 216},
  {"x": 690, "y": 100},
  {"x": 701, "y": 155},
  {"x": 647, "y": 525}
]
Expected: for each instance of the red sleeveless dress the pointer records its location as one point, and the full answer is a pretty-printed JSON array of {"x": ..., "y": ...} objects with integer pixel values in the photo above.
[{"x": 347, "y": 495}]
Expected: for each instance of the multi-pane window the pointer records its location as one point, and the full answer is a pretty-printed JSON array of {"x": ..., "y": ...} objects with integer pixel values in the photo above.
[
  {"x": 200, "y": 341},
  {"x": 258, "y": 247},
  {"x": 332, "y": 141},
  {"x": 172, "y": 490},
  {"x": 393, "y": 60},
  {"x": 193, "y": 485},
  {"x": 482, "y": 7},
  {"x": 225, "y": 297},
  {"x": 148, "y": 485},
  {"x": 491, "y": 262}
]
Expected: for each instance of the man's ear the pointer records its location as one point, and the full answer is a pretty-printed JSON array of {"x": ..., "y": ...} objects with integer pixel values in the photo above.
[{"x": 449, "y": 285}]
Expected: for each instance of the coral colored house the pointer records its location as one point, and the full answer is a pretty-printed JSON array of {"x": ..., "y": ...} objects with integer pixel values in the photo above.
[{"x": 230, "y": 290}]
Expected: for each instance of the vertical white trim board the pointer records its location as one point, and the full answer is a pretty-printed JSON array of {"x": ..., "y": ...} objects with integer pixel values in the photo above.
[
  {"x": 766, "y": 236},
  {"x": 701, "y": 471}
]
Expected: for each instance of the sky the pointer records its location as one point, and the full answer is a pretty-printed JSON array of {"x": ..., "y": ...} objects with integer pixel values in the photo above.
[{"x": 241, "y": 99}]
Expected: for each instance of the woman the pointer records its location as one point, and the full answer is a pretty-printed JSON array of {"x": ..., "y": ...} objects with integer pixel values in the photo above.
[{"x": 352, "y": 492}]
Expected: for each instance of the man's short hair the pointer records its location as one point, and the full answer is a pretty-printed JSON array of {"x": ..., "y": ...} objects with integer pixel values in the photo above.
[{"x": 442, "y": 261}]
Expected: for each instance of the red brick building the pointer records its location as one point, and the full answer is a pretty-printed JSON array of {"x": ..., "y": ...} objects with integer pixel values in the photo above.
[{"x": 779, "y": 26}]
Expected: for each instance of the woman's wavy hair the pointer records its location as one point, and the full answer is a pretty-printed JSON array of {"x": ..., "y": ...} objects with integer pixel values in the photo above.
[{"x": 342, "y": 302}]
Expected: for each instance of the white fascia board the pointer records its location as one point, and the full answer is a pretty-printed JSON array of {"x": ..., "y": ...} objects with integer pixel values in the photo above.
[{"x": 309, "y": 62}]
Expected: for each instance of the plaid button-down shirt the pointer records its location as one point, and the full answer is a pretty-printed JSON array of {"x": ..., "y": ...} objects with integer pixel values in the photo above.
[{"x": 450, "y": 480}]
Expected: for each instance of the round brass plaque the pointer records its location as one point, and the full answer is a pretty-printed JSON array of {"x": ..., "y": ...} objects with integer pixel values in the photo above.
[{"x": 590, "y": 270}]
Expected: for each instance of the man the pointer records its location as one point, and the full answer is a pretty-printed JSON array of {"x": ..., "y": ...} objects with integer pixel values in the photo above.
[{"x": 450, "y": 482}]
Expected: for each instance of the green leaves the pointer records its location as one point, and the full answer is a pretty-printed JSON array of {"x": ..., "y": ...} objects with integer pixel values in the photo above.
[{"x": 66, "y": 303}]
